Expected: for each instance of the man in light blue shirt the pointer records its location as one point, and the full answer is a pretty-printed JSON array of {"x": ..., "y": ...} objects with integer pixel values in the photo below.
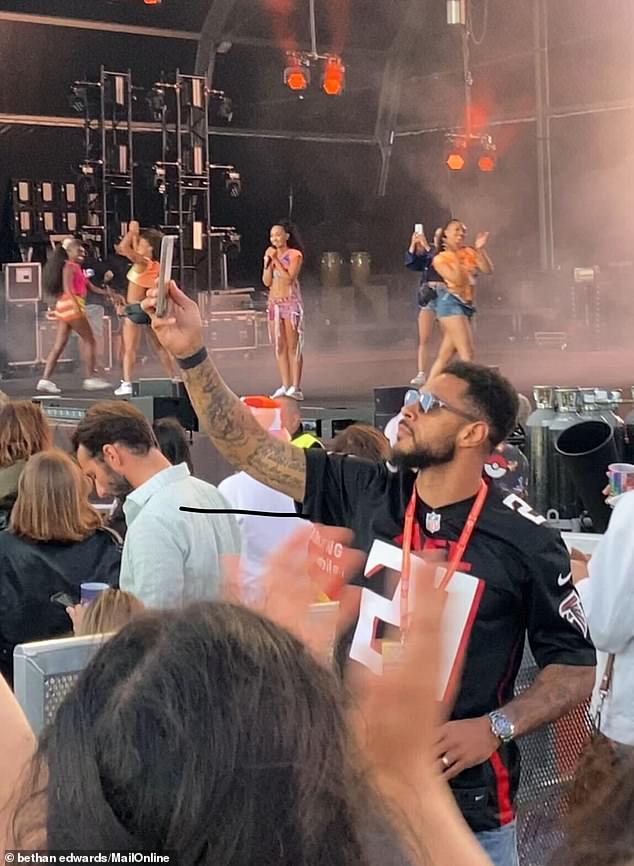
[{"x": 170, "y": 557}]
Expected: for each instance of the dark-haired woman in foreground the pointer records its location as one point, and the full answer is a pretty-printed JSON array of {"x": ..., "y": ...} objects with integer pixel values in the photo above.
[
  {"x": 283, "y": 262},
  {"x": 65, "y": 281},
  {"x": 215, "y": 734}
]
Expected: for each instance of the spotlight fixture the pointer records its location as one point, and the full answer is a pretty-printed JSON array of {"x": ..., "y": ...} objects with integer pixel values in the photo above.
[
  {"x": 334, "y": 76},
  {"x": 297, "y": 73},
  {"x": 225, "y": 111},
  {"x": 487, "y": 161},
  {"x": 457, "y": 12},
  {"x": 156, "y": 102},
  {"x": 469, "y": 151},
  {"x": 78, "y": 98},
  {"x": 233, "y": 183},
  {"x": 160, "y": 179},
  {"x": 456, "y": 155}
]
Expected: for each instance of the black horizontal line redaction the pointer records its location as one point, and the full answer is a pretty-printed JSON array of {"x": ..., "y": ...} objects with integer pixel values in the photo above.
[{"x": 244, "y": 511}]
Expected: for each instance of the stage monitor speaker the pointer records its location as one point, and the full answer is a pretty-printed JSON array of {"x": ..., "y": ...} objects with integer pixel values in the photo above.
[
  {"x": 47, "y": 333},
  {"x": 21, "y": 333},
  {"x": 388, "y": 402},
  {"x": 23, "y": 282},
  {"x": 180, "y": 408}
]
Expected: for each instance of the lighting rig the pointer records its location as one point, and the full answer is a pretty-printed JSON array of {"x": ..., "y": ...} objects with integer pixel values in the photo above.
[
  {"x": 468, "y": 149},
  {"x": 107, "y": 169},
  {"x": 299, "y": 64},
  {"x": 183, "y": 174}
]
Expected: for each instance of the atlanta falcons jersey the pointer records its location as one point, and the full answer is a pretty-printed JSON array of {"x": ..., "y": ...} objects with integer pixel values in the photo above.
[{"x": 528, "y": 593}]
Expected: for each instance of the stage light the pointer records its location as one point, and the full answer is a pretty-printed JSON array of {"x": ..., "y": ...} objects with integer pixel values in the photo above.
[
  {"x": 233, "y": 183},
  {"x": 487, "y": 162},
  {"x": 455, "y": 161},
  {"x": 225, "y": 110},
  {"x": 334, "y": 76},
  {"x": 457, "y": 12},
  {"x": 78, "y": 98},
  {"x": 297, "y": 75},
  {"x": 152, "y": 2}
]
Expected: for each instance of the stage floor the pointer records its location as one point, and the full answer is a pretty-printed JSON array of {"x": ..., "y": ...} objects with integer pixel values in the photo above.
[{"x": 337, "y": 379}]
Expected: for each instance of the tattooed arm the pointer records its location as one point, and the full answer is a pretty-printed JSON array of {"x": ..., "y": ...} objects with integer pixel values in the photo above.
[
  {"x": 238, "y": 436},
  {"x": 557, "y": 690},
  {"x": 224, "y": 418}
]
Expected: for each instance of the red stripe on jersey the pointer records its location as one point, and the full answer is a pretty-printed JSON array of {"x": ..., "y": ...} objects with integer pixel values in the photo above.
[{"x": 503, "y": 788}]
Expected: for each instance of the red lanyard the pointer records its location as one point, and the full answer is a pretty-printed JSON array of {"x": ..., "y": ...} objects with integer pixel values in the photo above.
[{"x": 456, "y": 559}]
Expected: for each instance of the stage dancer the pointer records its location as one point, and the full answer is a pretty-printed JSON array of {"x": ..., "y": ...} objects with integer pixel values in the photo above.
[
  {"x": 64, "y": 280},
  {"x": 283, "y": 262},
  {"x": 143, "y": 248},
  {"x": 458, "y": 266},
  {"x": 419, "y": 257}
]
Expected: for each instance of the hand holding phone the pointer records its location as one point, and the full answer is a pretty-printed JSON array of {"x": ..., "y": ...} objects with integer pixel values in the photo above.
[
  {"x": 63, "y": 599},
  {"x": 418, "y": 229},
  {"x": 165, "y": 274}
]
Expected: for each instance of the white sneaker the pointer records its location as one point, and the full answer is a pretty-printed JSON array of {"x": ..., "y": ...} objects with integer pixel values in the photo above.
[
  {"x": 48, "y": 386},
  {"x": 295, "y": 393},
  {"x": 281, "y": 392},
  {"x": 124, "y": 389},
  {"x": 419, "y": 379},
  {"x": 95, "y": 384}
]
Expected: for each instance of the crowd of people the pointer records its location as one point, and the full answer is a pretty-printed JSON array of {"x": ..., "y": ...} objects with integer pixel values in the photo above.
[{"x": 212, "y": 721}]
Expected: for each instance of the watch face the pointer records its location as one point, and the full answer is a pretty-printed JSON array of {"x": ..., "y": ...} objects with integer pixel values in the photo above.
[{"x": 502, "y": 727}]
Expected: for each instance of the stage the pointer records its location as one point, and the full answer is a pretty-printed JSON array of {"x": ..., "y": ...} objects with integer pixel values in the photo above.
[{"x": 347, "y": 378}]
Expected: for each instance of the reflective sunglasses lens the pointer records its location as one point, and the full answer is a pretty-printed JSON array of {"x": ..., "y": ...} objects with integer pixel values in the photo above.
[
  {"x": 411, "y": 397},
  {"x": 427, "y": 401}
]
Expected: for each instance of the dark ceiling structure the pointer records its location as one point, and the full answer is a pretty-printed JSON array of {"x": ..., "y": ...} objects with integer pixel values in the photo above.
[{"x": 534, "y": 62}]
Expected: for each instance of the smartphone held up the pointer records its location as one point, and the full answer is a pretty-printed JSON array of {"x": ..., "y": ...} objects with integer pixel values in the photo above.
[{"x": 165, "y": 274}]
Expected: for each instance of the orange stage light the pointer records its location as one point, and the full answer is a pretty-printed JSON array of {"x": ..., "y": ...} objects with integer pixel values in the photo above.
[
  {"x": 486, "y": 162},
  {"x": 296, "y": 78},
  {"x": 455, "y": 161},
  {"x": 334, "y": 77},
  {"x": 152, "y": 2}
]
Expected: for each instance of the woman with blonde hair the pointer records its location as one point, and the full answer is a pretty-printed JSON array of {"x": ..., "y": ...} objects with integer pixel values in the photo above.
[
  {"x": 109, "y": 612},
  {"x": 24, "y": 431},
  {"x": 56, "y": 542}
]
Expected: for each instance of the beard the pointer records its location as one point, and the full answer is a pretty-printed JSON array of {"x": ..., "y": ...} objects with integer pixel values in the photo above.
[
  {"x": 423, "y": 456},
  {"x": 118, "y": 486}
]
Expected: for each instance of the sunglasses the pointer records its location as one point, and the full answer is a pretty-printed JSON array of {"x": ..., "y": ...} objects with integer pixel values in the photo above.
[{"x": 428, "y": 402}]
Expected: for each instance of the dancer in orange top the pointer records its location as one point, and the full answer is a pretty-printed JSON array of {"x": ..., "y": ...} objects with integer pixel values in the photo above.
[
  {"x": 143, "y": 248},
  {"x": 458, "y": 265}
]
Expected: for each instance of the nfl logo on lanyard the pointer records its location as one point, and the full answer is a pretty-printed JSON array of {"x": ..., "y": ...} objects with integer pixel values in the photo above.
[{"x": 432, "y": 522}]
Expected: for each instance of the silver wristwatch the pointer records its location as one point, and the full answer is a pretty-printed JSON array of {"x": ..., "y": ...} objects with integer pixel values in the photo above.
[{"x": 501, "y": 726}]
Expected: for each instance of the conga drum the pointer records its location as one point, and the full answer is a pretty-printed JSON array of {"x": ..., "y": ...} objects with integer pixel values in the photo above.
[
  {"x": 360, "y": 264},
  {"x": 331, "y": 264}
]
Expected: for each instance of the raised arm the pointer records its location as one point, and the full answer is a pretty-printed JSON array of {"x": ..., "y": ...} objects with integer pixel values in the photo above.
[
  {"x": 127, "y": 246},
  {"x": 483, "y": 261},
  {"x": 225, "y": 419}
]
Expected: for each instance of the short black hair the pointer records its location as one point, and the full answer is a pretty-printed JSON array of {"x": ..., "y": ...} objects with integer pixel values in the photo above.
[
  {"x": 114, "y": 422},
  {"x": 491, "y": 395}
]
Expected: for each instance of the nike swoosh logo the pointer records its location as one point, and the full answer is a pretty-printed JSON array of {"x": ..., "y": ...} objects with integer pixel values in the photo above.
[
  {"x": 479, "y": 798},
  {"x": 562, "y": 581}
]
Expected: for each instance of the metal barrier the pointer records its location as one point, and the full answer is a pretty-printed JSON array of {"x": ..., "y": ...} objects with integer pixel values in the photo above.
[{"x": 549, "y": 759}]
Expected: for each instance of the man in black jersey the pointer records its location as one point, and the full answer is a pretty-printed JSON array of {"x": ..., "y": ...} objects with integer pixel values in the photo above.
[{"x": 446, "y": 435}]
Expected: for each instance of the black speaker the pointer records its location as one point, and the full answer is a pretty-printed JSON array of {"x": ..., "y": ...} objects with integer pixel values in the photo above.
[
  {"x": 388, "y": 402},
  {"x": 21, "y": 333}
]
